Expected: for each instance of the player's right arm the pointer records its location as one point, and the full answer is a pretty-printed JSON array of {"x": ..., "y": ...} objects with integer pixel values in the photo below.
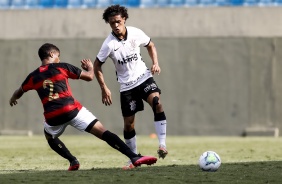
[
  {"x": 106, "y": 93},
  {"x": 88, "y": 74},
  {"x": 26, "y": 86},
  {"x": 16, "y": 95}
]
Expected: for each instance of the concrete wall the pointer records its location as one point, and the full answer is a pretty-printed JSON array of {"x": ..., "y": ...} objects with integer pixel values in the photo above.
[{"x": 220, "y": 66}]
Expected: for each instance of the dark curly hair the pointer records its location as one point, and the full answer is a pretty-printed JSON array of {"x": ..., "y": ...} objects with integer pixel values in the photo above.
[
  {"x": 113, "y": 11},
  {"x": 45, "y": 49}
]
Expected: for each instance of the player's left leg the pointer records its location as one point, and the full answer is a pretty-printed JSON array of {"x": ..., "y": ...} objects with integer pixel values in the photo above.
[
  {"x": 59, "y": 147},
  {"x": 159, "y": 121}
]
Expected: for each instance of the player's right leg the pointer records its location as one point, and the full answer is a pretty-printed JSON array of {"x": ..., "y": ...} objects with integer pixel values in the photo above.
[
  {"x": 58, "y": 146},
  {"x": 129, "y": 135},
  {"x": 86, "y": 121},
  {"x": 115, "y": 142},
  {"x": 131, "y": 102}
]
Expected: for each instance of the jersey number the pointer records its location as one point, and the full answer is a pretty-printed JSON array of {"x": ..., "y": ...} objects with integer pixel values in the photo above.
[{"x": 52, "y": 95}]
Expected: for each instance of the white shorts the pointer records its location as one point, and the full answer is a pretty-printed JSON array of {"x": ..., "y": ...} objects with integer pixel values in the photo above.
[{"x": 80, "y": 122}]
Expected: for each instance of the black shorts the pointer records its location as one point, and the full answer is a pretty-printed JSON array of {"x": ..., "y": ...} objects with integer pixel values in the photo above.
[{"x": 132, "y": 100}]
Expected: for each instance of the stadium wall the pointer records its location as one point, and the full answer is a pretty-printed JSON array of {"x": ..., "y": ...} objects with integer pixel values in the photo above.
[{"x": 220, "y": 66}]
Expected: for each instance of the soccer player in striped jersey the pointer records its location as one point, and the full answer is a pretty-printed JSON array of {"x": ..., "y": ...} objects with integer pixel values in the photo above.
[
  {"x": 136, "y": 80},
  {"x": 61, "y": 109}
]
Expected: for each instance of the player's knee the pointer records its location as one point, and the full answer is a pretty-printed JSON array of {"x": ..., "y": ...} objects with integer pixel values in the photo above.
[
  {"x": 158, "y": 116},
  {"x": 91, "y": 125},
  {"x": 155, "y": 104},
  {"x": 47, "y": 135}
]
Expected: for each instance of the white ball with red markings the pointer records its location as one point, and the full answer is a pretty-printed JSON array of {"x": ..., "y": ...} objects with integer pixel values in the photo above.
[{"x": 209, "y": 161}]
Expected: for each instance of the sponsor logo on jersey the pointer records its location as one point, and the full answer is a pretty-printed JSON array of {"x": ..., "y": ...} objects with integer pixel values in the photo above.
[{"x": 128, "y": 59}]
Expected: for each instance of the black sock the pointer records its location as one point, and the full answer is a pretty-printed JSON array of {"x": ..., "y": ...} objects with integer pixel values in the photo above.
[
  {"x": 115, "y": 142},
  {"x": 129, "y": 135},
  {"x": 58, "y": 146}
]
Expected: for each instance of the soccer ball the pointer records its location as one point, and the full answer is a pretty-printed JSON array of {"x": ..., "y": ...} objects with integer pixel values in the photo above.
[{"x": 209, "y": 161}]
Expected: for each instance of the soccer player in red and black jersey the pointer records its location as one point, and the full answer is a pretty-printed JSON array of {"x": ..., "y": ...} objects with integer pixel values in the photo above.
[{"x": 50, "y": 81}]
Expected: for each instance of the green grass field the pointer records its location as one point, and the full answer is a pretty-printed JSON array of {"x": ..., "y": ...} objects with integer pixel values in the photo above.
[{"x": 252, "y": 160}]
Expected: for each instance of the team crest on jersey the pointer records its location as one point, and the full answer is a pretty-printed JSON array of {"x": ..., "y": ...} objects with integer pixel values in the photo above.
[
  {"x": 133, "y": 44},
  {"x": 132, "y": 105}
]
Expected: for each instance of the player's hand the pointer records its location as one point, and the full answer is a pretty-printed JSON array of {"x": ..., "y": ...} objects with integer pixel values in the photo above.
[
  {"x": 13, "y": 102},
  {"x": 106, "y": 96},
  {"x": 155, "y": 69},
  {"x": 86, "y": 64}
]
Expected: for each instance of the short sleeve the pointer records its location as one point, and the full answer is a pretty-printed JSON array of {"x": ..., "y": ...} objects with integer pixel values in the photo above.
[
  {"x": 28, "y": 83},
  {"x": 104, "y": 52},
  {"x": 73, "y": 72},
  {"x": 144, "y": 38}
]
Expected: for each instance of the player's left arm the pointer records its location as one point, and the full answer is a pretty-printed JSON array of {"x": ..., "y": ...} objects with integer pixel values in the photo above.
[
  {"x": 16, "y": 95},
  {"x": 154, "y": 57}
]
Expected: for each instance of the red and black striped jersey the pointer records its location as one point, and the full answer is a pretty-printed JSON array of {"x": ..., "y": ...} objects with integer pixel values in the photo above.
[{"x": 52, "y": 86}]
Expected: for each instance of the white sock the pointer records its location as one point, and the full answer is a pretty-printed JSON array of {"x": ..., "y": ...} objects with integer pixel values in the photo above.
[
  {"x": 160, "y": 127},
  {"x": 131, "y": 143}
]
